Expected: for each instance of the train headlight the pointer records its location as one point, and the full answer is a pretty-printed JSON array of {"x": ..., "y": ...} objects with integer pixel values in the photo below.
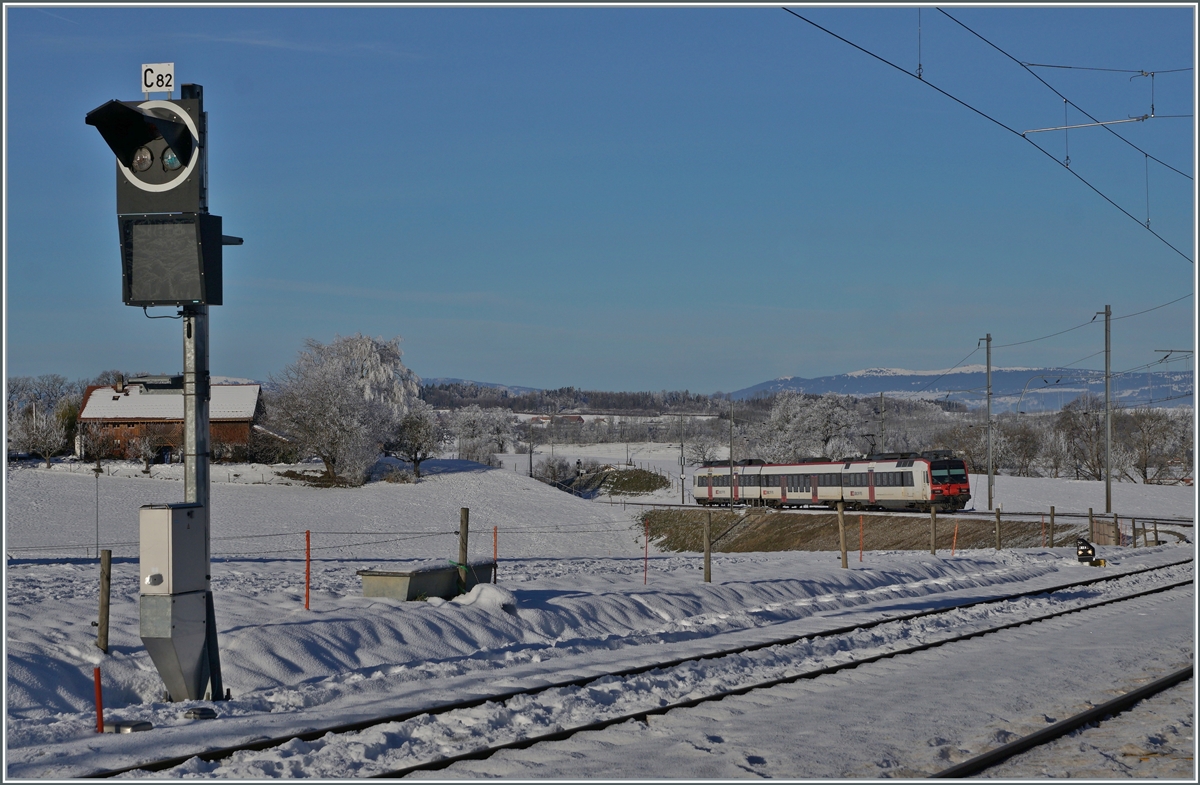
[{"x": 1085, "y": 550}]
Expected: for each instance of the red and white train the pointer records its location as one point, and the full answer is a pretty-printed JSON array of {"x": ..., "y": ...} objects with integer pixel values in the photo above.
[{"x": 892, "y": 481}]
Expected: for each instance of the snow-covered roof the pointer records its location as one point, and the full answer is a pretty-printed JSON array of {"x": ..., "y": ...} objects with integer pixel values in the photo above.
[{"x": 227, "y": 402}]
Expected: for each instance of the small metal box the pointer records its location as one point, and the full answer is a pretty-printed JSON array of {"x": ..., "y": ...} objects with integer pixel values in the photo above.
[{"x": 173, "y": 549}]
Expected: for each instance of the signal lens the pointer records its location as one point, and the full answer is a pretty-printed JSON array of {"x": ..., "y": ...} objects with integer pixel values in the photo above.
[
  {"x": 142, "y": 160},
  {"x": 170, "y": 161}
]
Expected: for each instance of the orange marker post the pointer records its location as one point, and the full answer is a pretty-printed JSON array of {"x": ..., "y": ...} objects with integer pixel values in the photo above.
[
  {"x": 954, "y": 543},
  {"x": 99, "y": 702},
  {"x": 1043, "y": 530},
  {"x": 307, "y": 564}
]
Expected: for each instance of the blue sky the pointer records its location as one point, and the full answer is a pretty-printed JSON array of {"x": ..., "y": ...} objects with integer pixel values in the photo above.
[{"x": 633, "y": 198}]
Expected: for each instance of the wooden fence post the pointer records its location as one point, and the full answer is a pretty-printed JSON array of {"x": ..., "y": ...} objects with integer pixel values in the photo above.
[
  {"x": 1156, "y": 540},
  {"x": 933, "y": 529},
  {"x": 646, "y": 562},
  {"x": 1133, "y": 530},
  {"x": 1116, "y": 530},
  {"x": 708, "y": 548},
  {"x": 997, "y": 529},
  {"x": 1051, "y": 525},
  {"x": 495, "y": 552},
  {"x": 1091, "y": 525},
  {"x": 841, "y": 518},
  {"x": 105, "y": 590},
  {"x": 464, "y": 518}
]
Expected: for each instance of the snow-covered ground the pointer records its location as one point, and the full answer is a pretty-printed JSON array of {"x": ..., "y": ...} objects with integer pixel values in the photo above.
[{"x": 570, "y": 600}]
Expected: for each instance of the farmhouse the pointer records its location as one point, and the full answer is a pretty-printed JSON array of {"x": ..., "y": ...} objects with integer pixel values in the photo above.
[{"x": 150, "y": 409}]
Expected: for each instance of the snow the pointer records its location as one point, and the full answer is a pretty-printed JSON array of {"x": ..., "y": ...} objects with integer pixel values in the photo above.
[
  {"x": 944, "y": 372},
  {"x": 570, "y": 600}
]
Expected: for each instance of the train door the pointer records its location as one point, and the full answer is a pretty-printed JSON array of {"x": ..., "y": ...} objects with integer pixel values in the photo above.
[
  {"x": 815, "y": 484},
  {"x": 871, "y": 486}
]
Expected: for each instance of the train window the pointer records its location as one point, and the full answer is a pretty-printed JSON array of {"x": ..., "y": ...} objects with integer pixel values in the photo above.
[{"x": 908, "y": 479}]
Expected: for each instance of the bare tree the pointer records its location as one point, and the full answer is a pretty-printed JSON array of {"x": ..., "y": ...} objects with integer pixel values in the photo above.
[
  {"x": 701, "y": 447},
  {"x": 1022, "y": 445},
  {"x": 153, "y": 437},
  {"x": 94, "y": 441},
  {"x": 419, "y": 436}
]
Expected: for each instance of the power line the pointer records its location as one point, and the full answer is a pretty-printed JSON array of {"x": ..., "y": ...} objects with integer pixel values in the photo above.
[
  {"x": 984, "y": 115},
  {"x": 1093, "y": 321},
  {"x": 1044, "y": 337},
  {"x": 1114, "y": 70},
  {"x": 1155, "y": 308},
  {"x": 951, "y": 368},
  {"x": 1060, "y": 95}
]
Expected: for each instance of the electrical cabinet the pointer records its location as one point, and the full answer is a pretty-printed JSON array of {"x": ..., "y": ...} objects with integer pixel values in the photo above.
[{"x": 173, "y": 549}]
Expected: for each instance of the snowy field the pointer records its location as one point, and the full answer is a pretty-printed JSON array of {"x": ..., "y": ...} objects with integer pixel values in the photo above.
[{"x": 570, "y": 600}]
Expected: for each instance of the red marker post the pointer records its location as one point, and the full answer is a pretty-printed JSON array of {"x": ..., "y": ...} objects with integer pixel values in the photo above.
[
  {"x": 99, "y": 702},
  {"x": 307, "y": 564}
]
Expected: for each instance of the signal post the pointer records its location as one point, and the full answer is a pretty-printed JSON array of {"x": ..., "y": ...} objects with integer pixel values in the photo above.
[{"x": 171, "y": 255}]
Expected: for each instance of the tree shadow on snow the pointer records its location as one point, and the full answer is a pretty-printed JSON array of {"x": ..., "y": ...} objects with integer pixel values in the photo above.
[{"x": 438, "y": 466}]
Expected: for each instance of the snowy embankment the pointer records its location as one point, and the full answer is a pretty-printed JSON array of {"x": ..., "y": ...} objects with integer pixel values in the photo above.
[
  {"x": 1015, "y": 494},
  {"x": 570, "y": 600}
]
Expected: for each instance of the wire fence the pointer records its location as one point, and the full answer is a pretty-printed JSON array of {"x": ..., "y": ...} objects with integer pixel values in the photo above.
[
  {"x": 340, "y": 543},
  {"x": 373, "y": 544}
]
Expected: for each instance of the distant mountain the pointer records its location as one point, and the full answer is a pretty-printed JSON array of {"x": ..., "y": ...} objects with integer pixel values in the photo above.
[
  {"x": 511, "y": 389},
  {"x": 1033, "y": 389}
]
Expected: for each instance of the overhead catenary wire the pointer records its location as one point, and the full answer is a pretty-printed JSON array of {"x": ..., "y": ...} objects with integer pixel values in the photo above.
[
  {"x": 1026, "y": 66},
  {"x": 993, "y": 120},
  {"x": 1138, "y": 71}
]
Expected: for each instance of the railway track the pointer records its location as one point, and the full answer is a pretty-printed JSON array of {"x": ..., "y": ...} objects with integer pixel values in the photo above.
[
  {"x": 1061, "y": 728},
  {"x": 642, "y": 714}
]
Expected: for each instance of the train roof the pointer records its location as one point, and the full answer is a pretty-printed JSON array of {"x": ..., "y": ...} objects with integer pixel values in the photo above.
[{"x": 929, "y": 455}]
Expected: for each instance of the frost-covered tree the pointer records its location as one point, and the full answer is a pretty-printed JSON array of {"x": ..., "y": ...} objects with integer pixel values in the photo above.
[
  {"x": 419, "y": 436},
  {"x": 1081, "y": 424},
  {"x": 39, "y": 432},
  {"x": 799, "y": 426},
  {"x": 342, "y": 401},
  {"x": 1148, "y": 435},
  {"x": 481, "y": 433}
]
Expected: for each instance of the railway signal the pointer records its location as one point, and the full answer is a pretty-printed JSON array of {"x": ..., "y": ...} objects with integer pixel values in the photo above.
[{"x": 171, "y": 255}]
